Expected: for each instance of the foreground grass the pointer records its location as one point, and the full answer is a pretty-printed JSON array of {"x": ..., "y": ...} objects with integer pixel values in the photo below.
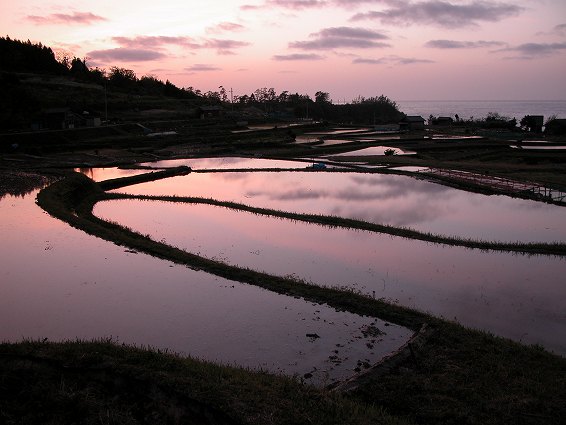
[
  {"x": 457, "y": 376},
  {"x": 104, "y": 383}
]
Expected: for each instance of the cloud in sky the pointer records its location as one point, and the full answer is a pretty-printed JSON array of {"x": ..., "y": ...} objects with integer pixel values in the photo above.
[
  {"x": 125, "y": 54},
  {"x": 222, "y": 46},
  {"x": 442, "y": 13},
  {"x": 296, "y": 4},
  {"x": 454, "y": 44},
  {"x": 225, "y": 27},
  {"x": 247, "y": 7},
  {"x": 409, "y": 61},
  {"x": 391, "y": 60},
  {"x": 367, "y": 61},
  {"x": 202, "y": 67},
  {"x": 75, "y": 18},
  {"x": 311, "y": 4},
  {"x": 558, "y": 30},
  {"x": 298, "y": 57},
  {"x": 144, "y": 41},
  {"x": 336, "y": 37},
  {"x": 535, "y": 50}
]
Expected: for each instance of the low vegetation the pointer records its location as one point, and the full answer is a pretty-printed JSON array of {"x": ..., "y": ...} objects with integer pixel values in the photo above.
[{"x": 101, "y": 382}]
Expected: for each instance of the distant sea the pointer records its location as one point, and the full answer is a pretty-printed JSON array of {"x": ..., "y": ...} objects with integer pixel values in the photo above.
[{"x": 480, "y": 108}]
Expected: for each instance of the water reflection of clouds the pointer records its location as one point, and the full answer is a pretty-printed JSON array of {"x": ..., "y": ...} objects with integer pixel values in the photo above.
[
  {"x": 291, "y": 195},
  {"x": 355, "y": 194},
  {"x": 401, "y": 184},
  {"x": 381, "y": 188},
  {"x": 405, "y": 216},
  {"x": 353, "y": 202},
  {"x": 234, "y": 176}
]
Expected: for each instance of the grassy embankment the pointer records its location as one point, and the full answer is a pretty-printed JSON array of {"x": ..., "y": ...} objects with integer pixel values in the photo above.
[{"x": 457, "y": 376}]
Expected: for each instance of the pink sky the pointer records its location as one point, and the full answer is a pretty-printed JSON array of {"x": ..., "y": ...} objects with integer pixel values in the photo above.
[{"x": 405, "y": 49}]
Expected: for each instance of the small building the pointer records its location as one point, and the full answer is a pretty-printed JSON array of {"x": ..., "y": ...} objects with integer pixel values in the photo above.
[
  {"x": 533, "y": 123},
  {"x": 412, "y": 122},
  {"x": 91, "y": 120},
  {"x": 443, "y": 121},
  {"x": 210, "y": 111},
  {"x": 59, "y": 119}
]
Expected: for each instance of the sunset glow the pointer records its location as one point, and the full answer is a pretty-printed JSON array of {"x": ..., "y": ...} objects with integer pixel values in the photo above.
[{"x": 405, "y": 49}]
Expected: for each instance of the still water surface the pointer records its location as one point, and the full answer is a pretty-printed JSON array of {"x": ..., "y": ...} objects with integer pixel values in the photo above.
[
  {"x": 232, "y": 162},
  {"x": 378, "y": 198},
  {"x": 515, "y": 296},
  {"x": 59, "y": 283}
]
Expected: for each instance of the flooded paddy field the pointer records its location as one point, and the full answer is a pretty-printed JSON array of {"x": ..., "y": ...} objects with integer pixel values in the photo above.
[
  {"x": 517, "y": 296},
  {"x": 60, "y": 283},
  {"x": 396, "y": 200}
]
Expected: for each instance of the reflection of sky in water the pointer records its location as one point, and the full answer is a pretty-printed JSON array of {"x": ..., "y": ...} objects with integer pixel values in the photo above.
[
  {"x": 541, "y": 148},
  {"x": 338, "y": 131},
  {"x": 227, "y": 162},
  {"x": 387, "y": 199},
  {"x": 59, "y": 283},
  {"x": 332, "y": 142},
  {"x": 373, "y": 150},
  {"x": 100, "y": 174},
  {"x": 511, "y": 295}
]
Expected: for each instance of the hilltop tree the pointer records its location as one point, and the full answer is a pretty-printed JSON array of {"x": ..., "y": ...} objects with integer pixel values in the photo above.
[
  {"x": 78, "y": 66},
  {"x": 322, "y": 97},
  {"x": 122, "y": 78}
]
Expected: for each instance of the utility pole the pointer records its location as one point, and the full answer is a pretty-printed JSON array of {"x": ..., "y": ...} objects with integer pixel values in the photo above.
[
  {"x": 105, "y": 104},
  {"x": 232, "y": 98}
]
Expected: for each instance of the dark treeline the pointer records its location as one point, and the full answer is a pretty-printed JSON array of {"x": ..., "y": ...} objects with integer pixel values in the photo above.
[
  {"x": 21, "y": 103},
  {"x": 25, "y": 56},
  {"x": 372, "y": 110}
]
